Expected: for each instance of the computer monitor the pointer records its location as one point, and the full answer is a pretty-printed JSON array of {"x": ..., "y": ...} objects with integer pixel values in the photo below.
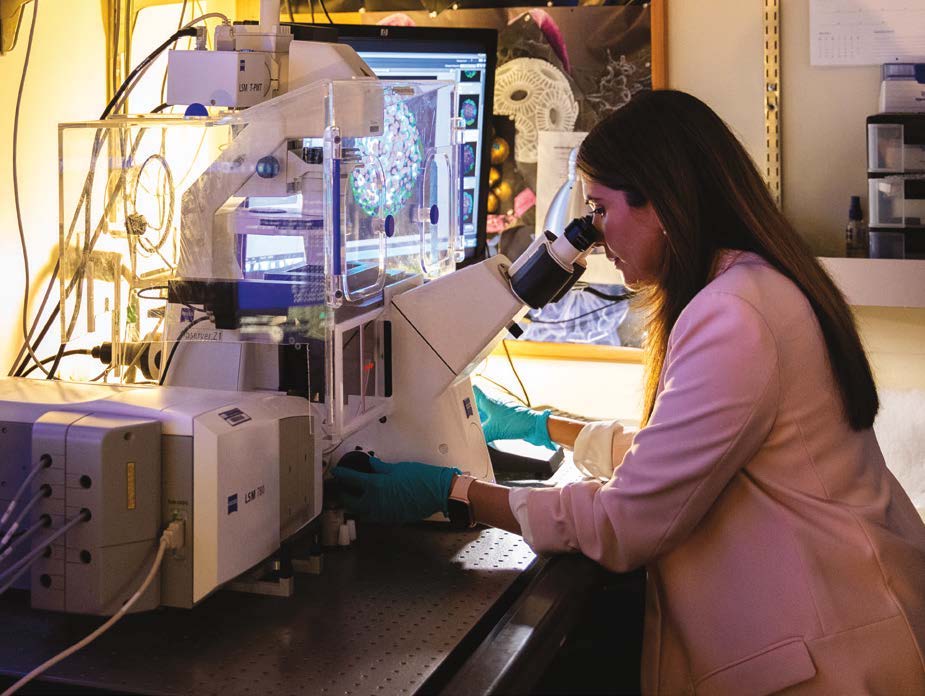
[{"x": 466, "y": 56}]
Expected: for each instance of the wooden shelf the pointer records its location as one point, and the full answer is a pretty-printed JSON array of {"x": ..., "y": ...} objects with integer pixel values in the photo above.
[
  {"x": 879, "y": 282},
  {"x": 542, "y": 350}
]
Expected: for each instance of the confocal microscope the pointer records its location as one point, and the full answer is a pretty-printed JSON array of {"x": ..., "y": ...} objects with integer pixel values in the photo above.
[{"x": 245, "y": 295}]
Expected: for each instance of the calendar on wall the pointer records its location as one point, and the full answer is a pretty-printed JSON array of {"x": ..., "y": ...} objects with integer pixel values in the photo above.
[{"x": 866, "y": 32}]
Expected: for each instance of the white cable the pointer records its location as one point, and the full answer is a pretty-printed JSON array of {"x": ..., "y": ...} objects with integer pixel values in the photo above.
[
  {"x": 44, "y": 521},
  {"x": 44, "y": 461},
  {"x": 23, "y": 564},
  {"x": 22, "y": 514},
  {"x": 161, "y": 548}
]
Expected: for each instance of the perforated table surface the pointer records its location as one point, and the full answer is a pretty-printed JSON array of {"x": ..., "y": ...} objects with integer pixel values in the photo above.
[{"x": 383, "y": 617}]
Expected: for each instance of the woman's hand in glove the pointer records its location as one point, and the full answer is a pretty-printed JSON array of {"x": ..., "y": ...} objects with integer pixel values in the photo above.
[
  {"x": 501, "y": 421},
  {"x": 395, "y": 493}
]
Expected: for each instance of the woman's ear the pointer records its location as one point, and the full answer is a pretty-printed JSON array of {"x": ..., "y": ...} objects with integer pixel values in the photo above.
[
  {"x": 650, "y": 218},
  {"x": 634, "y": 198}
]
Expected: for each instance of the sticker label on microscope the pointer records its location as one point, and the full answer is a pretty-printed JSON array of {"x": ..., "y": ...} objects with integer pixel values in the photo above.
[
  {"x": 130, "y": 485},
  {"x": 234, "y": 416}
]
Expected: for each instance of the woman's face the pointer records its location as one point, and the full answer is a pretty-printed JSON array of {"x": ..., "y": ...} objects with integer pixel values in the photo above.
[{"x": 633, "y": 237}]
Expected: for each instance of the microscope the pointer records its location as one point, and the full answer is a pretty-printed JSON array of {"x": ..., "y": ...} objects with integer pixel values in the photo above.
[{"x": 268, "y": 287}]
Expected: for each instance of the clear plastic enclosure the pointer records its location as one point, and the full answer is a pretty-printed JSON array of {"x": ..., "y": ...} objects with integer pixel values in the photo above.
[{"x": 271, "y": 225}]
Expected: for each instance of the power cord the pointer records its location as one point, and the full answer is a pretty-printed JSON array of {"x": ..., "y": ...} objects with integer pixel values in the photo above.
[{"x": 172, "y": 538}]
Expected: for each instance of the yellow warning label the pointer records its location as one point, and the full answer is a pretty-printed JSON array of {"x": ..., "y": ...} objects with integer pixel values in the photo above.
[{"x": 130, "y": 485}]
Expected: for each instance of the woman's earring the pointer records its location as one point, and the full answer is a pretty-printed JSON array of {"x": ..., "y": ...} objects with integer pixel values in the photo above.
[{"x": 664, "y": 232}]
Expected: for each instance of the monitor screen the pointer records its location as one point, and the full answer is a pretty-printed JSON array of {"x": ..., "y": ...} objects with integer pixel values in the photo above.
[{"x": 465, "y": 56}]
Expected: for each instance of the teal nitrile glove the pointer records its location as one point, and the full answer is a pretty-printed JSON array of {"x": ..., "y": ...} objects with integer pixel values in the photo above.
[
  {"x": 501, "y": 421},
  {"x": 396, "y": 493}
]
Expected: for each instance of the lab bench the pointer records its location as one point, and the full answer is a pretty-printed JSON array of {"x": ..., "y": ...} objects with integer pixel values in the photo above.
[{"x": 413, "y": 609}]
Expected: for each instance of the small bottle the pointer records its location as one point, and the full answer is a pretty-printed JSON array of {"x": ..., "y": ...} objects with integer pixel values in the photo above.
[{"x": 856, "y": 245}]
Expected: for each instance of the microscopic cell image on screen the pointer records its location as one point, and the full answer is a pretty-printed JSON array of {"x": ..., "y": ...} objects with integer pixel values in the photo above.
[
  {"x": 399, "y": 152},
  {"x": 469, "y": 159},
  {"x": 468, "y": 204},
  {"x": 469, "y": 109},
  {"x": 466, "y": 57}
]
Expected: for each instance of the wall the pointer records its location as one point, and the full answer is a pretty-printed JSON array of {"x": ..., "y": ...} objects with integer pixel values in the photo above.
[
  {"x": 718, "y": 55},
  {"x": 64, "y": 83}
]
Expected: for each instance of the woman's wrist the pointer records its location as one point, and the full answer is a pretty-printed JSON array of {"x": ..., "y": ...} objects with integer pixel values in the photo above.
[{"x": 564, "y": 430}]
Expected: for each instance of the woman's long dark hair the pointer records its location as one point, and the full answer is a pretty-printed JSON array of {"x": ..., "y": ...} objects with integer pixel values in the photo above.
[{"x": 677, "y": 153}]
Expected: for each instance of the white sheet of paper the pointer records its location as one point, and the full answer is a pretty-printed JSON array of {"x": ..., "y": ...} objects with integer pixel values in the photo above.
[
  {"x": 553, "y": 148},
  {"x": 866, "y": 32}
]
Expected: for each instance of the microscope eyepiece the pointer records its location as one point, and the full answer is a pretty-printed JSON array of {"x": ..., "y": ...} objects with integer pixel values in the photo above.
[{"x": 582, "y": 234}]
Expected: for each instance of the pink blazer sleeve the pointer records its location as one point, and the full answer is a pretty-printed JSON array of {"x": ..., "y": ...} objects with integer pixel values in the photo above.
[{"x": 716, "y": 407}]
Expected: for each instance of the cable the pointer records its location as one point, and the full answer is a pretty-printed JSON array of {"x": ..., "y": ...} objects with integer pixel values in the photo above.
[
  {"x": 171, "y": 538},
  {"x": 117, "y": 100},
  {"x": 44, "y": 521},
  {"x": 151, "y": 287},
  {"x": 580, "y": 316},
  {"x": 179, "y": 26},
  {"x": 330, "y": 21},
  {"x": 311, "y": 8},
  {"x": 100, "y": 140},
  {"x": 26, "y": 561},
  {"x": 605, "y": 295},
  {"x": 16, "y": 367},
  {"x": 44, "y": 463},
  {"x": 514, "y": 370},
  {"x": 289, "y": 7},
  {"x": 173, "y": 348},
  {"x": 164, "y": 227},
  {"x": 44, "y": 492},
  {"x": 501, "y": 387},
  {"x": 22, "y": 234},
  {"x": 56, "y": 356}
]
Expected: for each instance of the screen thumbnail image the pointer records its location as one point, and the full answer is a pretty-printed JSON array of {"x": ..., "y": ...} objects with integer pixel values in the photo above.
[
  {"x": 468, "y": 204},
  {"x": 469, "y": 109},
  {"x": 469, "y": 159},
  {"x": 470, "y": 76}
]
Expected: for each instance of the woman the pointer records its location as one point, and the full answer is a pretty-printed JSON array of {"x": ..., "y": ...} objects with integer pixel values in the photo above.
[{"x": 780, "y": 551}]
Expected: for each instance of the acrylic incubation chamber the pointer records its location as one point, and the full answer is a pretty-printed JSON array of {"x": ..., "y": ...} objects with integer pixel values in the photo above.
[{"x": 241, "y": 251}]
